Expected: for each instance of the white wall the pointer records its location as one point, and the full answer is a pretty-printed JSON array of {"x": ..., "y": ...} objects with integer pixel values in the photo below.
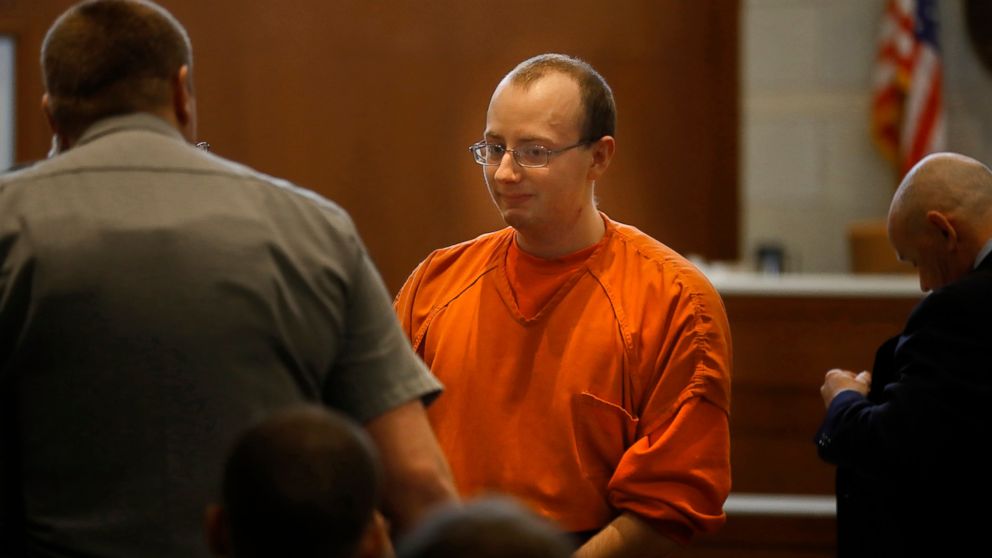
[
  {"x": 808, "y": 167},
  {"x": 967, "y": 88}
]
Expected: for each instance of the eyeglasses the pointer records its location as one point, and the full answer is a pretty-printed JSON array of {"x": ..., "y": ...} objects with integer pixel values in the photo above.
[
  {"x": 530, "y": 156},
  {"x": 203, "y": 146}
]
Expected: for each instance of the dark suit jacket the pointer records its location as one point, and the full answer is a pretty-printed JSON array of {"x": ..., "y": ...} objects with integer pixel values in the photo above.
[{"x": 914, "y": 473}]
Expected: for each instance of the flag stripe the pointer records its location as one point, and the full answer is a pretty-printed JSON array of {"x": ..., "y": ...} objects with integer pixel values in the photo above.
[{"x": 907, "y": 109}]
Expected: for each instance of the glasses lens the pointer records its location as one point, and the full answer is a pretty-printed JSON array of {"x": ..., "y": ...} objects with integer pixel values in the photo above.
[
  {"x": 478, "y": 153},
  {"x": 488, "y": 153},
  {"x": 532, "y": 156}
]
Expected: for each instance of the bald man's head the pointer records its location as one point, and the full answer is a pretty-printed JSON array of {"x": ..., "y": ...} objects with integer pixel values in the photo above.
[{"x": 939, "y": 219}]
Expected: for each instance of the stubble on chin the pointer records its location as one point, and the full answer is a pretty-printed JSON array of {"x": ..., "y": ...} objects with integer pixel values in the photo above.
[{"x": 514, "y": 219}]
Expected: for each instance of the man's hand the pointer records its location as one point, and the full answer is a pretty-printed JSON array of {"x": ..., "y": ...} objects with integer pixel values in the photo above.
[{"x": 838, "y": 380}]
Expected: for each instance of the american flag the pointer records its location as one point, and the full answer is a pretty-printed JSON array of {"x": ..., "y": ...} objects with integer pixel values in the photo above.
[{"x": 907, "y": 110}]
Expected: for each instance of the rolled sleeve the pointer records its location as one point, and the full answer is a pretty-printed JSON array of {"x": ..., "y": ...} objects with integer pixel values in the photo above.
[{"x": 678, "y": 477}]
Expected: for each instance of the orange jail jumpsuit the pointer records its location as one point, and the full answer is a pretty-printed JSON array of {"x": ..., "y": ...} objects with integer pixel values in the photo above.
[{"x": 610, "y": 396}]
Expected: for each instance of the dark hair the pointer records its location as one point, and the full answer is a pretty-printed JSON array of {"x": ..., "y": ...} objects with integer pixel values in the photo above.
[
  {"x": 305, "y": 482},
  {"x": 108, "y": 57},
  {"x": 493, "y": 527},
  {"x": 597, "y": 98}
]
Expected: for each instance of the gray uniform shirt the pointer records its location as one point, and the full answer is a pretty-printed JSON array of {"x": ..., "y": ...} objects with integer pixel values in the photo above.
[{"x": 154, "y": 301}]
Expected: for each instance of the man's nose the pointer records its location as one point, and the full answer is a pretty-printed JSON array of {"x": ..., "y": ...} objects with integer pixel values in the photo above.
[{"x": 508, "y": 170}]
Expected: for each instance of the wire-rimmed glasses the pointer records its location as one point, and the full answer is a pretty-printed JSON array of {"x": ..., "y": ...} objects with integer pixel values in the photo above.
[{"x": 529, "y": 156}]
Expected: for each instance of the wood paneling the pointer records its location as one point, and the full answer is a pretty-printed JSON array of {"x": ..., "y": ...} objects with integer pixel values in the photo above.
[
  {"x": 782, "y": 348},
  {"x": 768, "y": 537},
  {"x": 373, "y": 104}
]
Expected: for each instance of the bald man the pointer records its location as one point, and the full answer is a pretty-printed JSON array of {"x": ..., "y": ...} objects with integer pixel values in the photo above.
[{"x": 909, "y": 437}]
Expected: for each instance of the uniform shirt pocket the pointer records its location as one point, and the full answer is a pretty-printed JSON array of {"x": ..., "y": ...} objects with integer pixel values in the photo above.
[{"x": 603, "y": 432}]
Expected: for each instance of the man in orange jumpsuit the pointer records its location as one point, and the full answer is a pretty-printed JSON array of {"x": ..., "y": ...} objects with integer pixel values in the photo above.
[{"x": 587, "y": 364}]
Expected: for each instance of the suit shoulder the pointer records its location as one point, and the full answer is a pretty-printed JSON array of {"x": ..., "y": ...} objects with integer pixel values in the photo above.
[
  {"x": 965, "y": 303},
  {"x": 971, "y": 293}
]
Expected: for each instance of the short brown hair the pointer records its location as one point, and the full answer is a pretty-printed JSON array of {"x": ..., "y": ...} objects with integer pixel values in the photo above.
[
  {"x": 108, "y": 57},
  {"x": 597, "y": 97}
]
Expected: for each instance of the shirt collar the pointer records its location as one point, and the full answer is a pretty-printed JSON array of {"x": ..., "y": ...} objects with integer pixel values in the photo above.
[
  {"x": 133, "y": 121},
  {"x": 983, "y": 253}
]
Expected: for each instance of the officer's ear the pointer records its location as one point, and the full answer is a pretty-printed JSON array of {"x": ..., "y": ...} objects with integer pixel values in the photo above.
[
  {"x": 183, "y": 102},
  {"x": 46, "y": 108},
  {"x": 944, "y": 227},
  {"x": 375, "y": 541},
  {"x": 59, "y": 141},
  {"x": 215, "y": 530}
]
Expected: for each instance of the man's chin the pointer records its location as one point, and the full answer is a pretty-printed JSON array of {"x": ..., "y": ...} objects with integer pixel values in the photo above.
[{"x": 515, "y": 218}]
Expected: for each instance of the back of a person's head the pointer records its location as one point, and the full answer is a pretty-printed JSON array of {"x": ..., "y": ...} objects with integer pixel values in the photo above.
[
  {"x": 486, "y": 528},
  {"x": 105, "y": 58},
  {"x": 304, "y": 482}
]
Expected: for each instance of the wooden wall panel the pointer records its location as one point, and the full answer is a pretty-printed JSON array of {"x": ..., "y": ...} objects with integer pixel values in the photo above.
[
  {"x": 783, "y": 345},
  {"x": 373, "y": 104},
  {"x": 782, "y": 348},
  {"x": 768, "y": 537}
]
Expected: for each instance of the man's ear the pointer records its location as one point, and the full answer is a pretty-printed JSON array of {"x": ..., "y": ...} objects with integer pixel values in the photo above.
[
  {"x": 944, "y": 226},
  {"x": 47, "y": 109},
  {"x": 215, "y": 530},
  {"x": 183, "y": 103},
  {"x": 59, "y": 141},
  {"x": 375, "y": 541},
  {"x": 602, "y": 154}
]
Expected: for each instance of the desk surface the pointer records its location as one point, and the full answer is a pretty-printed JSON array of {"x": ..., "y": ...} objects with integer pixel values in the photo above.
[{"x": 729, "y": 282}]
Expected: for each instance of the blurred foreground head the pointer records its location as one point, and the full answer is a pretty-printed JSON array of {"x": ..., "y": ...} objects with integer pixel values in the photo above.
[
  {"x": 305, "y": 483},
  {"x": 487, "y": 528}
]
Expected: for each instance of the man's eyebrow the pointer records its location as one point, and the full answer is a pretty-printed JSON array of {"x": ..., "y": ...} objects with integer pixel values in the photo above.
[
  {"x": 522, "y": 141},
  {"x": 535, "y": 139}
]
